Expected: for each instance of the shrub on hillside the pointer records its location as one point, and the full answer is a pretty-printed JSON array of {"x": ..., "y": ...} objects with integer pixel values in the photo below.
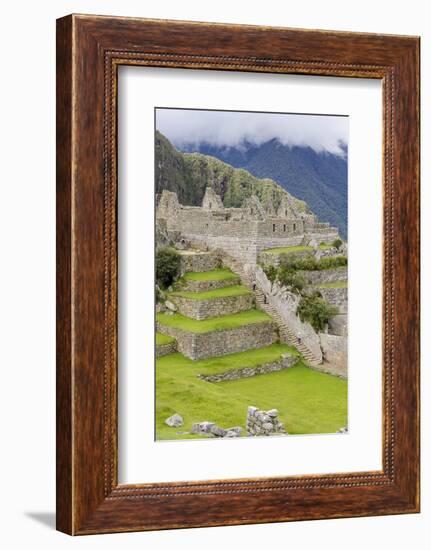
[
  {"x": 271, "y": 273},
  {"x": 337, "y": 243},
  {"x": 332, "y": 262},
  {"x": 291, "y": 279},
  {"x": 310, "y": 263},
  {"x": 168, "y": 263},
  {"x": 316, "y": 311},
  {"x": 303, "y": 263}
]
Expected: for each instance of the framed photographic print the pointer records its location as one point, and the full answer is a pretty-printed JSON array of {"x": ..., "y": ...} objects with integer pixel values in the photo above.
[{"x": 237, "y": 274}]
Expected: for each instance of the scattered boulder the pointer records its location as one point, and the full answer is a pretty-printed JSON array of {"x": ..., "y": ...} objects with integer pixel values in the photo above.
[
  {"x": 175, "y": 421},
  {"x": 210, "y": 429},
  {"x": 231, "y": 433},
  {"x": 202, "y": 427},
  {"x": 217, "y": 431},
  {"x": 236, "y": 429}
]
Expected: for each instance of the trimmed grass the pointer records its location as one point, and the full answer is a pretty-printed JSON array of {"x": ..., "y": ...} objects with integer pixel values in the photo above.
[
  {"x": 308, "y": 401},
  {"x": 215, "y": 275},
  {"x": 218, "y": 365},
  {"x": 287, "y": 249},
  {"x": 335, "y": 284},
  {"x": 224, "y": 322},
  {"x": 163, "y": 339},
  {"x": 226, "y": 292},
  {"x": 292, "y": 249}
]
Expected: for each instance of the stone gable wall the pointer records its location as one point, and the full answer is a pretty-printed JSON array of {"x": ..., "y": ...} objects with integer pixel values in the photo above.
[
  {"x": 222, "y": 342},
  {"x": 215, "y": 307}
]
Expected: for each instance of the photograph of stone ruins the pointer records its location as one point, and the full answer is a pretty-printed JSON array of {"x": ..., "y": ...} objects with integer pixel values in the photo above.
[{"x": 251, "y": 274}]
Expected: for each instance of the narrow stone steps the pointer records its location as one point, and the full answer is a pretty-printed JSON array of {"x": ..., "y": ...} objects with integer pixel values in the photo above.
[{"x": 285, "y": 332}]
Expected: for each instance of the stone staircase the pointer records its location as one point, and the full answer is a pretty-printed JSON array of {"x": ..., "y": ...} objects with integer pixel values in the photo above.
[{"x": 286, "y": 334}]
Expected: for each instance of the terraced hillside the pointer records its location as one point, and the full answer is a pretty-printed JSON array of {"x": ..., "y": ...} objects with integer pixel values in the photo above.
[{"x": 230, "y": 357}]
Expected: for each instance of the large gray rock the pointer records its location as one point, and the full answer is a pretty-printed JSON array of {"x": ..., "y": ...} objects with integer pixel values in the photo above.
[
  {"x": 231, "y": 433},
  {"x": 170, "y": 305},
  {"x": 236, "y": 429},
  {"x": 175, "y": 421},
  {"x": 202, "y": 427},
  {"x": 219, "y": 432}
]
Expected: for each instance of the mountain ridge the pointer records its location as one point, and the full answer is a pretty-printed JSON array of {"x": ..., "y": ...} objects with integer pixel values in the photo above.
[
  {"x": 189, "y": 174},
  {"x": 318, "y": 178}
]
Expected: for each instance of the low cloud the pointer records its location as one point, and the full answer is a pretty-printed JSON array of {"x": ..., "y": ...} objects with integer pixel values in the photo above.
[{"x": 188, "y": 128}]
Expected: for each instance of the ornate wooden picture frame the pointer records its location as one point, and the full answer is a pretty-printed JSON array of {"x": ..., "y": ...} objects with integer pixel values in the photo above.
[{"x": 89, "y": 51}]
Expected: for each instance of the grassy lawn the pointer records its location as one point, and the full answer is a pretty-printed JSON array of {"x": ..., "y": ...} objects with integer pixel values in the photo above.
[
  {"x": 335, "y": 284},
  {"x": 224, "y": 322},
  {"x": 163, "y": 339},
  {"x": 225, "y": 292},
  {"x": 215, "y": 275},
  {"x": 308, "y": 401}
]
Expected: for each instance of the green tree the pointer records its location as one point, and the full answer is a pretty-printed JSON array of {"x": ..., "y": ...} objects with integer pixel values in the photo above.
[
  {"x": 289, "y": 278},
  {"x": 332, "y": 262},
  {"x": 337, "y": 243},
  {"x": 316, "y": 311},
  {"x": 168, "y": 263},
  {"x": 271, "y": 273}
]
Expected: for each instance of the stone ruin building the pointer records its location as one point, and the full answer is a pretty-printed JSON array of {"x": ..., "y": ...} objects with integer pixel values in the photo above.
[{"x": 241, "y": 232}]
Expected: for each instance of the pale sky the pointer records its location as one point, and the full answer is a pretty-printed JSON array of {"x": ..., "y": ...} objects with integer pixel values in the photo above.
[{"x": 185, "y": 127}]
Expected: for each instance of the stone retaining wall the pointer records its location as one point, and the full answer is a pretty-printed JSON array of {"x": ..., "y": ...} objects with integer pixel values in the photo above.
[
  {"x": 338, "y": 325},
  {"x": 214, "y": 307},
  {"x": 270, "y": 258},
  {"x": 275, "y": 259},
  {"x": 166, "y": 349},
  {"x": 203, "y": 286},
  {"x": 285, "y": 362},
  {"x": 244, "y": 249},
  {"x": 335, "y": 296},
  {"x": 335, "y": 354},
  {"x": 325, "y": 275},
  {"x": 198, "y": 261},
  {"x": 222, "y": 342}
]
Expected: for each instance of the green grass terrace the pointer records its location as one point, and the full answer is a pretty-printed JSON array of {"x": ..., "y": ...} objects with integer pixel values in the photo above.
[
  {"x": 335, "y": 284},
  {"x": 225, "y": 322},
  {"x": 215, "y": 275},
  {"x": 293, "y": 249},
  {"x": 163, "y": 339},
  {"x": 226, "y": 292}
]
